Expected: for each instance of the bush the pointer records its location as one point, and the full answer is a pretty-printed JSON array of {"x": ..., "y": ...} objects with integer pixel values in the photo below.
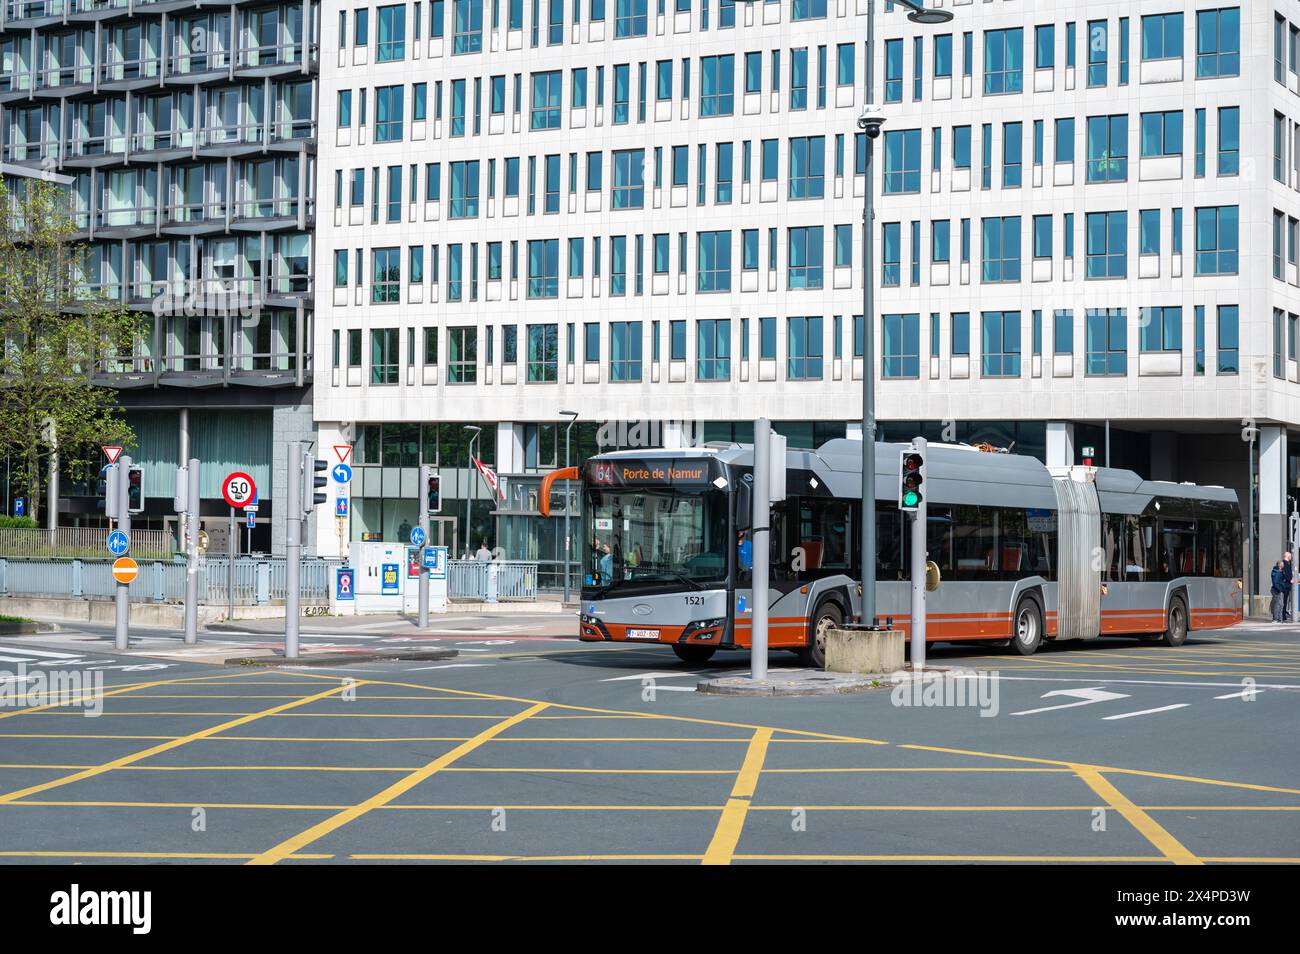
[{"x": 18, "y": 523}]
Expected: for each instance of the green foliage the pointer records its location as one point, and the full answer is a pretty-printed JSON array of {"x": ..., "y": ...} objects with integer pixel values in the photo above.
[
  {"x": 18, "y": 523},
  {"x": 55, "y": 337}
]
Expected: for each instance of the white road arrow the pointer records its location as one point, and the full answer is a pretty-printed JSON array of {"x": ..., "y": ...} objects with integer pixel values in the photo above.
[
  {"x": 1086, "y": 697},
  {"x": 651, "y": 675}
]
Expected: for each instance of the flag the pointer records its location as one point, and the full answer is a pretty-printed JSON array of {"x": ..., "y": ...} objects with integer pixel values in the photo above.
[{"x": 489, "y": 476}]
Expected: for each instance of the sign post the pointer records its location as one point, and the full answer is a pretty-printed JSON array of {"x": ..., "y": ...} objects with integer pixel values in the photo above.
[
  {"x": 122, "y": 593},
  {"x": 192, "y": 552},
  {"x": 418, "y": 537},
  {"x": 759, "y": 534},
  {"x": 918, "y": 569}
]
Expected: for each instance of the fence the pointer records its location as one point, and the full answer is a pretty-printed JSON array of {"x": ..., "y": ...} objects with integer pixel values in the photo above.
[
  {"x": 256, "y": 581},
  {"x": 471, "y": 580},
  {"x": 82, "y": 541}
]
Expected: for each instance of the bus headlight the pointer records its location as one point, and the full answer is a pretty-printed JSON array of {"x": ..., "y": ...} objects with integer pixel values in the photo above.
[{"x": 699, "y": 626}]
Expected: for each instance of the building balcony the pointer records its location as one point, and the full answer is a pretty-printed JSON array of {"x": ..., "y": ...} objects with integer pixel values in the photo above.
[
  {"x": 34, "y": 14},
  {"x": 180, "y": 68},
  {"x": 220, "y": 141}
]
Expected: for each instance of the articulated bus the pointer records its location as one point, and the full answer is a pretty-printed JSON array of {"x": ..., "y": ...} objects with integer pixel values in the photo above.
[{"x": 1024, "y": 553}]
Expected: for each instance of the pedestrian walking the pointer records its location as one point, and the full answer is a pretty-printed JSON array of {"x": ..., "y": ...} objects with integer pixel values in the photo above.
[
  {"x": 1288, "y": 569},
  {"x": 1278, "y": 605}
]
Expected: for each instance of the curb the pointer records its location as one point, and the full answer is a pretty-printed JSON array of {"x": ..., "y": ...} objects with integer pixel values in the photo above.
[
  {"x": 331, "y": 659},
  {"x": 820, "y": 684}
]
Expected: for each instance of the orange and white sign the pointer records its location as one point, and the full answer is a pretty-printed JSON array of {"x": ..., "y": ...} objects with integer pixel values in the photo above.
[{"x": 125, "y": 569}]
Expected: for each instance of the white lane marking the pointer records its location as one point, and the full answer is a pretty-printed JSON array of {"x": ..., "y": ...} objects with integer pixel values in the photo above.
[
  {"x": 1086, "y": 697},
  {"x": 674, "y": 688},
  {"x": 450, "y": 666},
  {"x": 1142, "y": 712},
  {"x": 1142, "y": 682},
  {"x": 651, "y": 675},
  {"x": 1241, "y": 695},
  {"x": 38, "y": 652}
]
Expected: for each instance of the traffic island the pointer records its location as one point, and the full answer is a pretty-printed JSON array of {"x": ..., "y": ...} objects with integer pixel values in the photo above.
[
  {"x": 864, "y": 650},
  {"x": 795, "y": 682},
  {"x": 278, "y": 658}
]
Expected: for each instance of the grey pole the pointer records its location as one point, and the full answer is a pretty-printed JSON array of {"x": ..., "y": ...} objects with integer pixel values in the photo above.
[
  {"x": 567, "y": 542},
  {"x": 293, "y": 547},
  {"x": 867, "y": 615},
  {"x": 918, "y": 13},
  {"x": 918, "y": 570},
  {"x": 1107, "y": 442},
  {"x": 52, "y": 490},
  {"x": 232, "y": 544},
  {"x": 1251, "y": 582},
  {"x": 470, "y": 484},
  {"x": 122, "y": 591},
  {"x": 422, "y": 501},
  {"x": 759, "y": 542},
  {"x": 192, "y": 553}
]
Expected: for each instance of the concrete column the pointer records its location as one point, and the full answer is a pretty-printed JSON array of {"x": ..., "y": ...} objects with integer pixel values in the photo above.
[
  {"x": 1272, "y": 503},
  {"x": 510, "y": 448},
  {"x": 1060, "y": 444}
]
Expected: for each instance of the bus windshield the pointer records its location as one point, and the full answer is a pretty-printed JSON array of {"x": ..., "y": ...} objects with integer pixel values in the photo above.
[{"x": 655, "y": 535}]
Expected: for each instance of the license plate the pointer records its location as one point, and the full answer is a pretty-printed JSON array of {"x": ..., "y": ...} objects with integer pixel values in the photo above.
[{"x": 643, "y": 634}]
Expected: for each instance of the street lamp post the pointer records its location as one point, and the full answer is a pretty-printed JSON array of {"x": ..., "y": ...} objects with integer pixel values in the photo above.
[
  {"x": 469, "y": 482},
  {"x": 573, "y": 416},
  {"x": 870, "y": 122}
]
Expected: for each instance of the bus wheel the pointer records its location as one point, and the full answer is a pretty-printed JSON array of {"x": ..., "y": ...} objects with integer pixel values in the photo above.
[
  {"x": 828, "y": 617},
  {"x": 1028, "y": 633},
  {"x": 694, "y": 654},
  {"x": 1176, "y": 624}
]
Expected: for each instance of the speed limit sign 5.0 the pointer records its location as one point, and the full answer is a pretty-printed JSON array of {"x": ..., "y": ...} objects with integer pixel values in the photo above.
[{"x": 238, "y": 489}]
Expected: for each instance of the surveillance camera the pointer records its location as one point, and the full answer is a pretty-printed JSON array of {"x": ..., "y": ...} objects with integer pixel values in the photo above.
[{"x": 872, "y": 118}]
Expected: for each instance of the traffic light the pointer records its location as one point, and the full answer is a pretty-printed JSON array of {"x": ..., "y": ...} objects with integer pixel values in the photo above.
[
  {"x": 135, "y": 489},
  {"x": 911, "y": 477},
  {"x": 433, "y": 494},
  {"x": 312, "y": 481}
]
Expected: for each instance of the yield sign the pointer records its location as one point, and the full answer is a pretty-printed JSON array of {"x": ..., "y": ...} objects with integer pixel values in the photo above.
[
  {"x": 343, "y": 452},
  {"x": 112, "y": 452}
]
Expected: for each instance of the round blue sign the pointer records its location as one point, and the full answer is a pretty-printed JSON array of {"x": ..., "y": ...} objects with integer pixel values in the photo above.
[
  {"x": 417, "y": 537},
  {"x": 342, "y": 473},
  {"x": 118, "y": 543}
]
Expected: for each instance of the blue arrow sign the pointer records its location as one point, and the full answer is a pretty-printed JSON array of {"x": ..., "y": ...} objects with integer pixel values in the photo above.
[
  {"x": 342, "y": 473},
  {"x": 118, "y": 543},
  {"x": 417, "y": 537}
]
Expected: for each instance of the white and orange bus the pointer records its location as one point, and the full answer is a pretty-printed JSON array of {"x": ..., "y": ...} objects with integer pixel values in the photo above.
[{"x": 1024, "y": 553}]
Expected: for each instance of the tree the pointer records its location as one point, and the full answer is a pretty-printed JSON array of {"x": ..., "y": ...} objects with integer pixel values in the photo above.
[{"x": 55, "y": 334}]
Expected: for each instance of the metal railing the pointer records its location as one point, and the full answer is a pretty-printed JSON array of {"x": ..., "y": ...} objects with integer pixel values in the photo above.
[
  {"x": 491, "y": 580},
  {"x": 81, "y": 541},
  {"x": 256, "y": 581}
]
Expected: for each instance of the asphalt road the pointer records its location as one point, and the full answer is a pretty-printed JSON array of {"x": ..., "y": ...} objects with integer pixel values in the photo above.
[{"x": 532, "y": 746}]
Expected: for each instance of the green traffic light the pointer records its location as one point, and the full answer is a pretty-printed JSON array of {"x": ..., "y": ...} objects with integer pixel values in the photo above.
[{"x": 911, "y": 498}]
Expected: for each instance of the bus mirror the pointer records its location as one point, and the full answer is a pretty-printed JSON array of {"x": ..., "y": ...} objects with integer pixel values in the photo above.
[
  {"x": 744, "y": 505},
  {"x": 932, "y": 576}
]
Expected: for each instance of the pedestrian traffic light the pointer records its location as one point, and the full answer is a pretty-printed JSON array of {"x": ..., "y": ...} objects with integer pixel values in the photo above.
[
  {"x": 911, "y": 477},
  {"x": 135, "y": 489},
  {"x": 433, "y": 494},
  {"x": 312, "y": 481}
]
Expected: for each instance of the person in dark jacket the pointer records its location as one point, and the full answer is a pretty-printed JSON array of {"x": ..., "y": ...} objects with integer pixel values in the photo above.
[
  {"x": 1279, "y": 591},
  {"x": 1288, "y": 569}
]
